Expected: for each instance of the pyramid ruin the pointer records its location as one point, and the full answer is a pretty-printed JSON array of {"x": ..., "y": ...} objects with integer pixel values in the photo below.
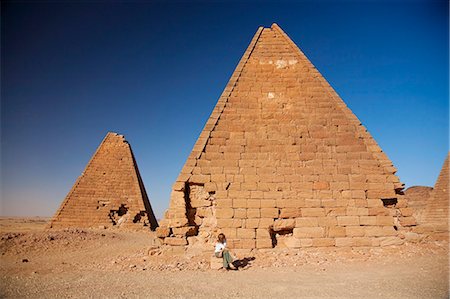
[
  {"x": 282, "y": 162},
  {"x": 109, "y": 193},
  {"x": 435, "y": 218}
]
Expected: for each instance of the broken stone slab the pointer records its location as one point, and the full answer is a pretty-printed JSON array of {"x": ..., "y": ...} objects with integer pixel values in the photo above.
[
  {"x": 175, "y": 241},
  {"x": 292, "y": 242},
  {"x": 162, "y": 232},
  {"x": 412, "y": 237},
  {"x": 283, "y": 224},
  {"x": 185, "y": 231},
  {"x": 216, "y": 263},
  {"x": 390, "y": 241}
]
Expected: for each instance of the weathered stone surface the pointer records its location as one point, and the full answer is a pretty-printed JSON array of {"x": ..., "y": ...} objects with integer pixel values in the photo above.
[
  {"x": 216, "y": 263},
  {"x": 109, "y": 192},
  {"x": 292, "y": 242},
  {"x": 389, "y": 241},
  {"x": 418, "y": 198},
  {"x": 162, "y": 232},
  {"x": 175, "y": 241},
  {"x": 283, "y": 224},
  {"x": 436, "y": 216},
  {"x": 184, "y": 231}
]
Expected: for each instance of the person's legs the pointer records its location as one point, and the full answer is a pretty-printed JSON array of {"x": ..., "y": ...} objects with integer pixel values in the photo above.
[{"x": 227, "y": 259}]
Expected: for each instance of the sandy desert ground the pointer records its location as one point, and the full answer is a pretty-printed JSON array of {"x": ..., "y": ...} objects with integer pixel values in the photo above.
[{"x": 76, "y": 263}]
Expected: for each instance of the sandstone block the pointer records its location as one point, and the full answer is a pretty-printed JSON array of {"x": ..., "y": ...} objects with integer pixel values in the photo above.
[
  {"x": 336, "y": 231},
  {"x": 374, "y": 231},
  {"x": 200, "y": 179},
  {"x": 348, "y": 220},
  {"x": 224, "y": 213},
  {"x": 253, "y": 213},
  {"x": 239, "y": 203},
  {"x": 313, "y": 212},
  {"x": 338, "y": 211},
  {"x": 283, "y": 224},
  {"x": 216, "y": 263},
  {"x": 363, "y": 241},
  {"x": 376, "y": 194},
  {"x": 251, "y": 223},
  {"x": 210, "y": 187},
  {"x": 321, "y": 186},
  {"x": 355, "y": 211},
  {"x": 290, "y": 213},
  {"x": 306, "y": 242},
  {"x": 222, "y": 223},
  {"x": 381, "y": 211},
  {"x": 240, "y": 213},
  {"x": 390, "y": 241},
  {"x": 306, "y": 222},
  {"x": 389, "y": 231},
  {"x": 246, "y": 233},
  {"x": 204, "y": 212},
  {"x": 401, "y": 202},
  {"x": 309, "y": 232},
  {"x": 253, "y": 203},
  {"x": 385, "y": 220},
  {"x": 368, "y": 220},
  {"x": 269, "y": 213},
  {"x": 247, "y": 243},
  {"x": 412, "y": 237},
  {"x": 292, "y": 242},
  {"x": 178, "y": 222},
  {"x": 229, "y": 232},
  {"x": 265, "y": 222},
  {"x": 374, "y": 203},
  {"x": 355, "y": 231},
  {"x": 323, "y": 242},
  {"x": 406, "y": 212},
  {"x": 327, "y": 221},
  {"x": 262, "y": 233},
  {"x": 268, "y": 203},
  {"x": 264, "y": 243},
  {"x": 345, "y": 242},
  {"x": 162, "y": 232},
  {"x": 175, "y": 241},
  {"x": 184, "y": 231},
  {"x": 198, "y": 203},
  {"x": 328, "y": 203},
  {"x": 312, "y": 203},
  {"x": 407, "y": 221}
]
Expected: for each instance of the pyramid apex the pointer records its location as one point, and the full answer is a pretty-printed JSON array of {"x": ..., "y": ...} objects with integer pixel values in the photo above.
[{"x": 277, "y": 27}]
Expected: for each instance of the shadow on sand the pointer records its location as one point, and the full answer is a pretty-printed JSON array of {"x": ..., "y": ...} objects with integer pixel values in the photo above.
[{"x": 244, "y": 263}]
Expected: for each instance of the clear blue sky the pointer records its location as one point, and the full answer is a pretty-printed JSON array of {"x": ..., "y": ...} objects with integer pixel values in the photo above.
[{"x": 152, "y": 71}]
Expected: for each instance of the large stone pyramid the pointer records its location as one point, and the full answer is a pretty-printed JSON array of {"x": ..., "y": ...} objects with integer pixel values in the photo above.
[
  {"x": 109, "y": 192},
  {"x": 435, "y": 218},
  {"x": 283, "y": 162}
]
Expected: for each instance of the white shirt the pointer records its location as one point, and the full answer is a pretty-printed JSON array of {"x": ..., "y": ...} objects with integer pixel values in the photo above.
[{"x": 220, "y": 246}]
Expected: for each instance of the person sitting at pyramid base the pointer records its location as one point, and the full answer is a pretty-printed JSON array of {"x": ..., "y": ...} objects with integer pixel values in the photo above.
[{"x": 221, "y": 251}]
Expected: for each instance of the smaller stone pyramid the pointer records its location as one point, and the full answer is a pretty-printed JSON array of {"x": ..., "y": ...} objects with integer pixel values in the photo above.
[
  {"x": 435, "y": 218},
  {"x": 109, "y": 193}
]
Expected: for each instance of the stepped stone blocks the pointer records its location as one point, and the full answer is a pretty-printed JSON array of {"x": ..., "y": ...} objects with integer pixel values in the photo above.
[
  {"x": 436, "y": 217},
  {"x": 283, "y": 162},
  {"x": 109, "y": 193}
]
